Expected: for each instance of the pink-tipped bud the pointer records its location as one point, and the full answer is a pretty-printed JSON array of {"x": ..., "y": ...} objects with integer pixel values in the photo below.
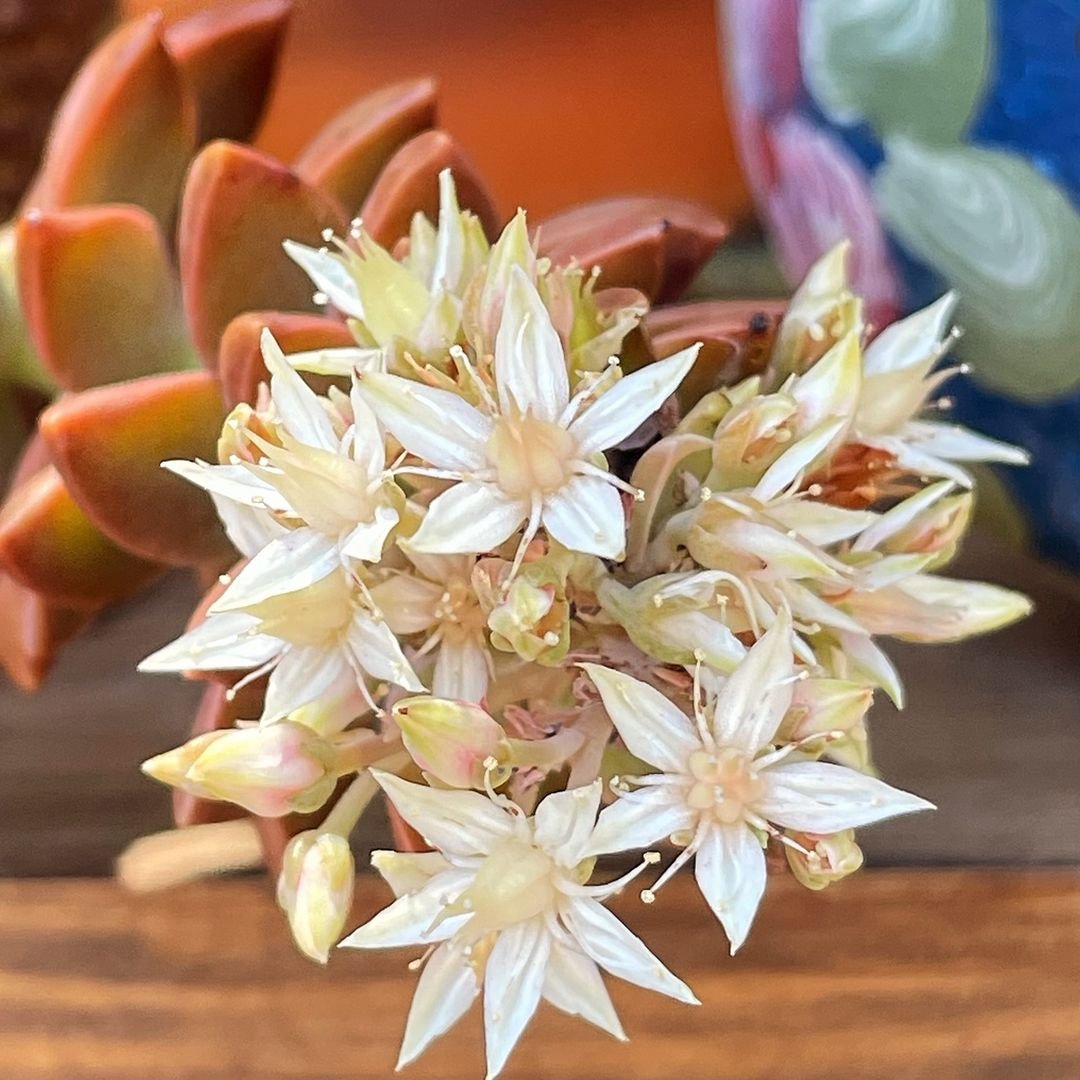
[
  {"x": 452, "y": 741},
  {"x": 315, "y": 890},
  {"x": 270, "y": 771},
  {"x": 830, "y": 858}
]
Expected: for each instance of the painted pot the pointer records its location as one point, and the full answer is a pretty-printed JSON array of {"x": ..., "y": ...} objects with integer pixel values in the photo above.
[{"x": 943, "y": 137}]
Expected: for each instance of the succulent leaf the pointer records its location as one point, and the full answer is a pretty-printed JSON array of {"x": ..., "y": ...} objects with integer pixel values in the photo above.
[
  {"x": 229, "y": 58},
  {"x": 49, "y": 545},
  {"x": 410, "y": 183},
  {"x": 240, "y": 363},
  {"x": 125, "y": 130},
  {"x": 346, "y": 157},
  {"x": 98, "y": 294},
  {"x": 656, "y": 245},
  {"x": 239, "y": 204},
  {"x": 108, "y": 444}
]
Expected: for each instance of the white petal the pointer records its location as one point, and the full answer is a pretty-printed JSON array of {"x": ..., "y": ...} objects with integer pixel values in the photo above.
[
  {"x": 407, "y": 603},
  {"x": 573, "y": 983},
  {"x": 960, "y": 444},
  {"x": 617, "y": 950},
  {"x": 457, "y": 822},
  {"x": 235, "y": 482},
  {"x": 219, "y": 643},
  {"x": 461, "y": 671},
  {"x": 368, "y": 447},
  {"x": 446, "y": 989},
  {"x": 730, "y": 870},
  {"x": 755, "y": 697},
  {"x": 653, "y": 728},
  {"x": 865, "y": 661},
  {"x": 469, "y": 517},
  {"x": 377, "y": 651},
  {"x": 249, "y": 530},
  {"x": 413, "y": 919},
  {"x": 513, "y": 980},
  {"x": 297, "y": 560},
  {"x": 912, "y": 340},
  {"x": 367, "y": 540},
  {"x": 819, "y": 523},
  {"x": 796, "y": 459},
  {"x": 303, "y": 674},
  {"x": 530, "y": 367},
  {"x": 586, "y": 515},
  {"x": 831, "y": 387},
  {"x": 640, "y": 819},
  {"x": 408, "y": 871},
  {"x": 901, "y": 515},
  {"x": 631, "y": 401},
  {"x": 564, "y": 822},
  {"x": 301, "y": 410},
  {"x": 435, "y": 425},
  {"x": 338, "y": 363},
  {"x": 817, "y": 797},
  {"x": 330, "y": 275}
]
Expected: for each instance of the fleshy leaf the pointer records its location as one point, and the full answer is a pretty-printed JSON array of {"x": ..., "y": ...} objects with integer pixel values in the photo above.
[
  {"x": 229, "y": 57},
  {"x": 736, "y": 337},
  {"x": 347, "y": 155},
  {"x": 49, "y": 545},
  {"x": 410, "y": 182},
  {"x": 656, "y": 245},
  {"x": 125, "y": 130},
  {"x": 98, "y": 295},
  {"x": 240, "y": 363},
  {"x": 239, "y": 204},
  {"x": 108, "y": 444},
  {"x": 216, "y": 711}
]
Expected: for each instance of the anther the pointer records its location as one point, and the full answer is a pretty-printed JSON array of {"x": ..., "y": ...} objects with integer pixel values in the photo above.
[
  {"x": 648, "y": 896},
  {"x": 327, "y": 234}
]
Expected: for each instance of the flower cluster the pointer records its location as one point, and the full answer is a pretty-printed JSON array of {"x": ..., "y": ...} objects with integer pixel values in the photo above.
[{"x": 558, "y": 606}]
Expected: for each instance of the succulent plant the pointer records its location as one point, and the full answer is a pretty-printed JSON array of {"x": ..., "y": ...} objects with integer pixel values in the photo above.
[{"x": 146, "y": 261}]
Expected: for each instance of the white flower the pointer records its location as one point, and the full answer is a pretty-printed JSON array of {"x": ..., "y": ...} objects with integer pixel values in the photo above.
[
  {"x": 439, "y": 600},
  {"x": 527, "y": 458},
  {"x": 502, "y": 904},
  {"x": 334, "y": 484},
  {"x": 722, "y": 787},
  {"x": 898, "y": 376},
  {"x": 294, "y": 612}
]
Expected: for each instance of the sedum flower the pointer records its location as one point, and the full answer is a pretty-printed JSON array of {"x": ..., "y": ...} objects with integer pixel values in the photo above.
[
  {"x": 435, "y": 597},
  {"x": 503, "y": 905},
  {"x": 293, "y": 613},
  {"x": 722, "y": 787},
  {"x": 315, "y": 889},
  {"x": 899, "y": 373},
  {"x": 313, "y": 478},
  {"x": 527, "y": 456}
]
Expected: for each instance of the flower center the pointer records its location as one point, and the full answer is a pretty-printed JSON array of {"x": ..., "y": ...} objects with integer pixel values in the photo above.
[
  {"x": 514, "y": 883},
  {"x": 530, "y": 455},
  {"x": 458, "y": 610},
  {"x": 725, "y": 784}
]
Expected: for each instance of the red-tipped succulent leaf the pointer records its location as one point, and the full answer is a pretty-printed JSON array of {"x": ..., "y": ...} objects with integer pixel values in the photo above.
[
  {"x": 656, "y": 245},
  {"x": 239, "y": 204},
  {"x": 240, "y": 362},
  {"x": 410, "y": 182},
  {"x": 109, "y": 442},
  {"x": 49, "y": 545},
  {"x": 99, "y": 295},
  {"x": 346, "y": 157},
  {"x": 125, "y": 130},
  {"x": 229, "y": 57}
]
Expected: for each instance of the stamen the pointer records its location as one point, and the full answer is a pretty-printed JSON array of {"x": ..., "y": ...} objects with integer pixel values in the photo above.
[
  {"x": 420, "y": 961},
  {"x": 250, "y": 677}
]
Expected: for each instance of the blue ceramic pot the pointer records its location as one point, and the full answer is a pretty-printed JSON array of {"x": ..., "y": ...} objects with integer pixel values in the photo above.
[{"x": 943, "y": 137}]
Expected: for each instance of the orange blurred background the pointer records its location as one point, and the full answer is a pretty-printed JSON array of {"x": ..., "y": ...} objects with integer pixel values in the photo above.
[{"x": 558, "y": 101}]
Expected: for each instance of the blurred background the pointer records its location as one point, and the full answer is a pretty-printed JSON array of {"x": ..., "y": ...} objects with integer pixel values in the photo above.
[{"x": 560, "y": 102}]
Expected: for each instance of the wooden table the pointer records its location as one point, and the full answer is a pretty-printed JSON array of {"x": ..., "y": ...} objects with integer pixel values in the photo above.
[{"x": 950, "y": 974}]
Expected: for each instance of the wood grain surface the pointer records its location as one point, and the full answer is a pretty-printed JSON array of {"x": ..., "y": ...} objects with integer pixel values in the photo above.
[{"x": 943, "y": 975}]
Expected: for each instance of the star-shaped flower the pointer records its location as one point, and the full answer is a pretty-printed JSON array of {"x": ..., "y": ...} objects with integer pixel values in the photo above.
[
  {"x": 503, "y": 904},
  {"x": 722, "y": 787},
  {"x": 528, "y": 457}
]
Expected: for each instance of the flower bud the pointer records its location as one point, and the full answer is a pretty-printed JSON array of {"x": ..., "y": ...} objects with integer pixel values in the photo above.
[
  {"x": 315, "y": 890},
  {"x": 451, "y": 740},
  {"x": 836, "y": 710},
  {"x": 830, "y": 858},
  {"x": 533, "y": 620},
  {"x": 270, "y": 771}
]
